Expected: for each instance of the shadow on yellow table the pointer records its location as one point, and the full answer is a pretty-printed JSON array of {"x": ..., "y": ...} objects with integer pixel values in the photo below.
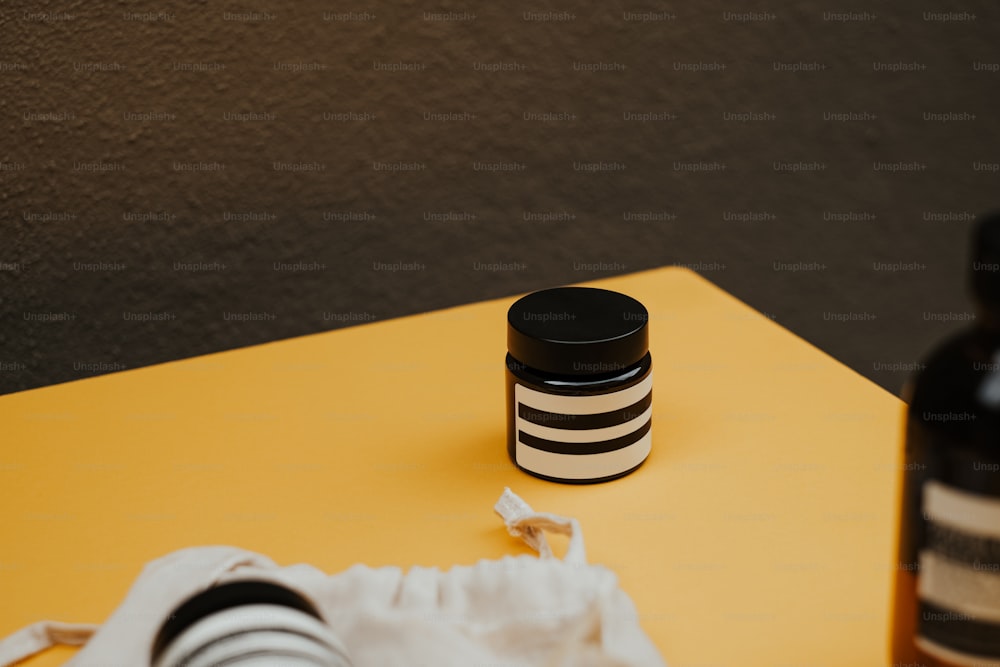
[{"x": 759, "y": 531}]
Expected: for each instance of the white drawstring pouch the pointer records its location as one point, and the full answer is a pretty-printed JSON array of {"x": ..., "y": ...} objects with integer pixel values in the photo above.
[{"x": 518, "y": 611}]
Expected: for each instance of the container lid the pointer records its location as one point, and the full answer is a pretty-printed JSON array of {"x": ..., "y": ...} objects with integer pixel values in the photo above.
[{"x": 577, "y": 331}]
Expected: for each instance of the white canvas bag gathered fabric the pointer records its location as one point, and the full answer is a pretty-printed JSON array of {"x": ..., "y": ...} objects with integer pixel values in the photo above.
[{"x": 518, "y": 611}]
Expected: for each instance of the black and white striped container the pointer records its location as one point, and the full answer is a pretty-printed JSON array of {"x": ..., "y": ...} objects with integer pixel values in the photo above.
[
  {"x": 579, "y": 384},
  {"x": 247, "y": 623}
]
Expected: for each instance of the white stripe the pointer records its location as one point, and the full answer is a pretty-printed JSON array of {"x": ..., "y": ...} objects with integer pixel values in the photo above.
[
  {"x": 955, "y": 657},
  {"x": 583, "y": 405},
  {"x": 959, "y": 587},
  {"x": 585, "y": 435},
  {"x": 968, "y": 512},
  {"x": 583, "y": 466}
]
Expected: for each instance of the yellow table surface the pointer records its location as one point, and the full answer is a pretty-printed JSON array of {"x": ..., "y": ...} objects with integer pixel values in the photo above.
[{"x": 759, "y": 532}]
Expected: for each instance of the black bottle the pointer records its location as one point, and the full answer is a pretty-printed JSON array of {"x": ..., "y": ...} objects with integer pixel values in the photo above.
[{"x": 946, "y": 610}]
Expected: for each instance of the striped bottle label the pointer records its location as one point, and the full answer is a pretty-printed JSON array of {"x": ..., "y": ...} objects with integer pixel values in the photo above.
[{"x": 959, "y": 589}]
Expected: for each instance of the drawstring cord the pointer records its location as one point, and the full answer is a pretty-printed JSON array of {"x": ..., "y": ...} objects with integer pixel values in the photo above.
[{"x": 531, "y": 526}]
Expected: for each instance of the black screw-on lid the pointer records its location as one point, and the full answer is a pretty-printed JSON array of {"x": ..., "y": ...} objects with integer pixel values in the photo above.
[
  {"x": 577, "y": 331},
  {"x": 986, "y": 260}
]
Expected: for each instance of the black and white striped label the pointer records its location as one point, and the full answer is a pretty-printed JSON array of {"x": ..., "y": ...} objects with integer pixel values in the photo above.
[
  {"x": 959, "y": 589},
  {"x": 583, "y": 437}
]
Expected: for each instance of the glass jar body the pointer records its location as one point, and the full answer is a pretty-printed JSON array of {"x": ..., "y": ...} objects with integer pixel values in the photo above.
[{"x": 579, "y": 428}]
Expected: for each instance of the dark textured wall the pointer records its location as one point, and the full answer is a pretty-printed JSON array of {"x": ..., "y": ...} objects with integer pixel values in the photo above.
[{"x": 221, "y": 170}]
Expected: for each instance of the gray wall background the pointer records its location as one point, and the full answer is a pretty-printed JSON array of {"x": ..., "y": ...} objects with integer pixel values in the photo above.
[{"x": 108, "y": 110}]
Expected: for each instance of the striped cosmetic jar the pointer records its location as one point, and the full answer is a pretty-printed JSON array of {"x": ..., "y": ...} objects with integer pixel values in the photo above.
[
  {"x": 579, "y": 384},
  {"x": 244, "y": 623}
]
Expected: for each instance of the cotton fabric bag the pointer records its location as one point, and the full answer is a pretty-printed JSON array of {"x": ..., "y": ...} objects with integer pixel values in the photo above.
[{"x": 518, "y": 611}]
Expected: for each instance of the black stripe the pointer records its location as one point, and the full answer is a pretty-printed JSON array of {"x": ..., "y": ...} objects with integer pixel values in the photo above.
[
  {"x": 957, "y": 632},
  {"x": 584, "y": 422},
  {"x": 582, "y": 448},
  {"x": 592, "y": 480},
  {"x": 979, "y": 551}
]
